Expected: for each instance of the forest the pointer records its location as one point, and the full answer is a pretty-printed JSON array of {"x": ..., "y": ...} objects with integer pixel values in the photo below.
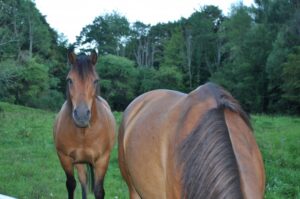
[{"x": 254, "y": 52}]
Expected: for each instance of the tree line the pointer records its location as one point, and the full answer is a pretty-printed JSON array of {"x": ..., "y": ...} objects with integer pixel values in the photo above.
[{"x": 254, "y": 52}]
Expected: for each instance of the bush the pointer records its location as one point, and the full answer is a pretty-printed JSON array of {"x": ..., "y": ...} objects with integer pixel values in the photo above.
[
  {"x": 49, "y": 99},
  {"x": 33, "y": 83},
  {"x": 164, "y": 78},
  {"x": 28, "y": 84},
  {"x": 146, "y": 80},
  {"x": 169, "y": 78},
  {"x": 117, "y": 80},
  {"x": 9, "y": 78}
]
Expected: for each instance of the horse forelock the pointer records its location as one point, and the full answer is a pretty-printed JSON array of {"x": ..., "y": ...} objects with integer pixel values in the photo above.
[{"x": 83, "y": 66}]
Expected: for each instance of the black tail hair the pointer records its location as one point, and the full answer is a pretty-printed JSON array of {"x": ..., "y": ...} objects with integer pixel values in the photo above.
[
  {"x": 210, "y": 169},
  {"x": 91, "y": 177}
]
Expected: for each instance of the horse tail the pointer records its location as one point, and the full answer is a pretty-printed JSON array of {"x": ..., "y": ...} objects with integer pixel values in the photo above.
[
  {"x": 209, "y": 165},
  {"x": 90, "y": 177}
]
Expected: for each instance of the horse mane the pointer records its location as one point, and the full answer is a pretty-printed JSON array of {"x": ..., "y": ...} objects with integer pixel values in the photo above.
[{"x": 209, "y": 165}]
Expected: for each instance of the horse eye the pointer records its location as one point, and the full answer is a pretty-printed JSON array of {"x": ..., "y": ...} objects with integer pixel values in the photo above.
[
  {"x": 69, "y": 81},
  {"x": 96, "y": 82}
]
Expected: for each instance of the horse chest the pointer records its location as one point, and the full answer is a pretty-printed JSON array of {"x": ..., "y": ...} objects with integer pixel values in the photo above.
[
  {"x": 82, "y": 148},
  {"x": 83, "y": 155}
]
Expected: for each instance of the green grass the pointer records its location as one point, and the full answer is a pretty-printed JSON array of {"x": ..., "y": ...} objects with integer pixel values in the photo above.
[
  {"x": 279, "y": 141},
  {"x": 29, "y": 167}
]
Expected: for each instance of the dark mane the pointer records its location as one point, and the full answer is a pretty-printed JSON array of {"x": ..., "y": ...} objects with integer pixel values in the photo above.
[
  {"x": 209, "y": 166},
  {"x": 83, "y": 66}
]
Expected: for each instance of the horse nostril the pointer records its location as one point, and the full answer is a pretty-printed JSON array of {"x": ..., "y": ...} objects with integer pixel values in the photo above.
[
  {"x": 75, "y": 113},
  {"x": 88, "y": 112}
]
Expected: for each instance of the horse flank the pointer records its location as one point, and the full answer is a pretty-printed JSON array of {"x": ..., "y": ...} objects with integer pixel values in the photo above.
[{"x": 209, "y": 165}]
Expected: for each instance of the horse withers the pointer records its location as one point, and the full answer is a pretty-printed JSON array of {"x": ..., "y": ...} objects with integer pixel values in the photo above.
[
  {"x": 84, "y": 129},
  {"x": 196, "y": 146}
]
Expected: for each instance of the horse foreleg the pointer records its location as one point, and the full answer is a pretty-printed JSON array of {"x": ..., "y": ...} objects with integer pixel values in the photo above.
[
  {"x": 82, "y": 179},
  {"x": 67, "y": 165},
  {"x": 100, "y": 168}
]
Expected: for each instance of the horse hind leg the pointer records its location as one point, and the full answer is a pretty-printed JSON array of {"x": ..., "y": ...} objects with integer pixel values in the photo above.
[
  {"x": 122, "y": 165},
  {"x": 82, "y": 175},
  {"x": 133, "y": 194}
]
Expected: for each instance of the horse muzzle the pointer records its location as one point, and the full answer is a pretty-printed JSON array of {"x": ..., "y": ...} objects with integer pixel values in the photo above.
[{"x": 81, "y": 116}]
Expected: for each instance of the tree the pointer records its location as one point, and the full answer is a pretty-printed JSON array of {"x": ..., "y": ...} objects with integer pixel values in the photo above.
[
  {"x": 118, "y": 80},
  {"x": 275, "y": 60},
  {"x": 174, "y": 50},
  {"x": 108, "y": 33},
  {"x": 291, "y": 81},
  {"x": 169, "y": 78},
  {"x": 163, "y": 78},
  {"x": 202, "y": 44},
  {"x": 141, "y": 43}
]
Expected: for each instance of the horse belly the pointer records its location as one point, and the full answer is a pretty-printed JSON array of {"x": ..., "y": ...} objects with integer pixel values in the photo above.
[
  {"x": 148, "y": 180},
  {"x": 147, "y": 167}
]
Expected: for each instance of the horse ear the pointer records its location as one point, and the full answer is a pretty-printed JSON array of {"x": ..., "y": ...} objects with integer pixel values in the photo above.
[
  {"x": 71, "y": 57},
  {"x": 94, "y": 57}
]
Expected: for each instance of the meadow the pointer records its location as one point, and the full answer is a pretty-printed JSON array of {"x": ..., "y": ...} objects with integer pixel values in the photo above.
[{"x": 29, "y": 167}]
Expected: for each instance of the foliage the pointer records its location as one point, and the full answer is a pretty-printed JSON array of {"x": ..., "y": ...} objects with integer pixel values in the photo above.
[
  {"x": 28, "y": 84},
  {"x": 291, "y": 80},
  {"x": 106, "y": 32},
  {"x": 8, "y": 75},
  {"x": 146, "y": 80},
  {"x": 169, "y": 78},
  {"x": 249, "y": 52},
  {"x": 164, "y": 78},
  {"x": 30, "y": 55},
  {"x": 118, "y": 80}
]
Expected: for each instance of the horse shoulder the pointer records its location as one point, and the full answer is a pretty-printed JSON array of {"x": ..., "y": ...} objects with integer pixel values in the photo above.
[
  {"x": 104, "y": 102},
  {"x": 59, "y": 119},
  {"x": 107, "y": 116}
]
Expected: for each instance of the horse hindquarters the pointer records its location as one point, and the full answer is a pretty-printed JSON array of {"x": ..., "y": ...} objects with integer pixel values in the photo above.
[{"x": 122, "y": 164}]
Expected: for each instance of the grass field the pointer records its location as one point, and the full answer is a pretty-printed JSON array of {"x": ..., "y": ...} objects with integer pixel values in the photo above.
[{"x": 29, "y": 168}]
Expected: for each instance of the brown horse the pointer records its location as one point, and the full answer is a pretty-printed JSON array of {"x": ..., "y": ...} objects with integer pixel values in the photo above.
[
  {"x": 197, "y": 145},
  {"x": 84, "y": 129}
]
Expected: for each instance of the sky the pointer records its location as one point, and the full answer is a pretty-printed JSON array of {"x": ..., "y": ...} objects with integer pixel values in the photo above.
[{"x": 70, "y": 16}]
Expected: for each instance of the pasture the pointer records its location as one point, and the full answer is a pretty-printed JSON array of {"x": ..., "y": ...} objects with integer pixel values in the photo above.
[{"x": 29, "y": 167}]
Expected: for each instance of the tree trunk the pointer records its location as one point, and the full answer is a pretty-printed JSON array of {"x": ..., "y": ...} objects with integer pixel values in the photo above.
[
  {"x": 188, "y": 41},
  {"x": 30, "y": 36},
  {"x": 16, "y": 34}
]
